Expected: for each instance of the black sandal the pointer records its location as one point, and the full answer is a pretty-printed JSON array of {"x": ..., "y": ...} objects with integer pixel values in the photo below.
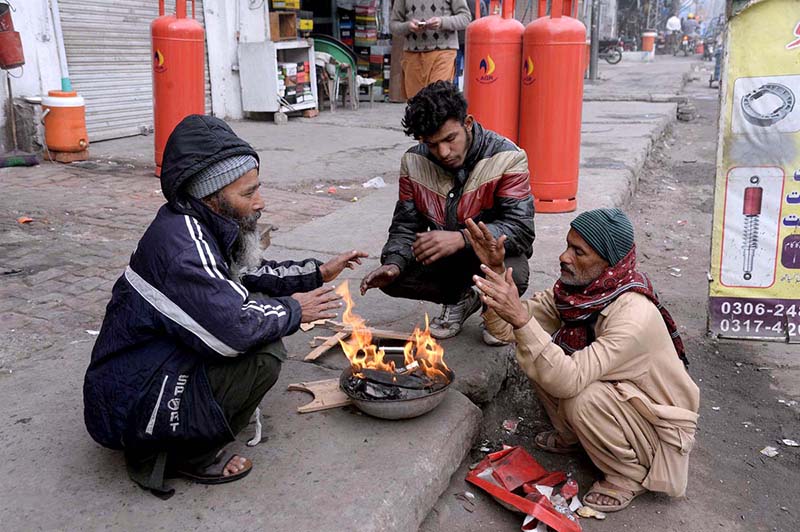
[{"x": 214, "y": 472}]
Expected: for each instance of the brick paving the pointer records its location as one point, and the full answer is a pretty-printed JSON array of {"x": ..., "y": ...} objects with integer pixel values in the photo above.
[{"x": 56, "y": 273}]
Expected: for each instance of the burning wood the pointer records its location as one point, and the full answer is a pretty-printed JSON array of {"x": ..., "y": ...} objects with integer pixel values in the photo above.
[
  {"x": 362, "y": 353},
  {"x": 414, "y": 369}
]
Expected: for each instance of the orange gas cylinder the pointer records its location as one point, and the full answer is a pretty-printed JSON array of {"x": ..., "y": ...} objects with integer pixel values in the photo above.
[
  {"x": 492, "y": 73},
  {"x": 554, "y": 55},
  {"x": 64, "y": 119},
  {"x": 178, "y": 49}
]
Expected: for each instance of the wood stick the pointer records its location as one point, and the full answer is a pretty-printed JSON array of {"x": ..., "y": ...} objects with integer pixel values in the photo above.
[
  {"x": 328, "y": 344},
  {"x": 377, "y": 333}
]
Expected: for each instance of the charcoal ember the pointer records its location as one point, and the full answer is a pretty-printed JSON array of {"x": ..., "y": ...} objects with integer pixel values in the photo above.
[
  {"x": 414, "y": 381},
  {"x": 384, "y": 386}
]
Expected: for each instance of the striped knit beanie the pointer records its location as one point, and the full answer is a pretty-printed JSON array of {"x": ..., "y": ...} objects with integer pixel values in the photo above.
[
  {"x": 219, "y": 175},
  {"x": 608, "y": 231}
]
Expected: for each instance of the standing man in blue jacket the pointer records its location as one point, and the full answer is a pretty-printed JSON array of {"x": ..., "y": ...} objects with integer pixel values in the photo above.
[{"x": 191, "y": 340}]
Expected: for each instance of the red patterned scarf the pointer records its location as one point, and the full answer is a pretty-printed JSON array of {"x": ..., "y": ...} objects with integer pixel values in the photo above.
[{"x": 579, "y": 308}]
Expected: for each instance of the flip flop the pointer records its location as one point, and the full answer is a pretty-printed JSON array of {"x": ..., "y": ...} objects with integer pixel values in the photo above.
[
  {"x": 548, "y": 441},
  {"x": 624, "y": 498},
  {"x": 213, "y": 473}
]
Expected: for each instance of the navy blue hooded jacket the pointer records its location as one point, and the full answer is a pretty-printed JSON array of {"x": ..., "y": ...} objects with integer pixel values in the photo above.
[{"x": 176, "y": 308}]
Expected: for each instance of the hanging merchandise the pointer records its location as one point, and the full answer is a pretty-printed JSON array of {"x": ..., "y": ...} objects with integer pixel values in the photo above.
[
  {"x": 492, "y": 73},
  {"x": 366, "y": 33},
  {"x": 178, "y": 56}
]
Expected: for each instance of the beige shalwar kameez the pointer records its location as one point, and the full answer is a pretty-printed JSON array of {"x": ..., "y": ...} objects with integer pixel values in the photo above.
[{"x": 627, "y": 397}]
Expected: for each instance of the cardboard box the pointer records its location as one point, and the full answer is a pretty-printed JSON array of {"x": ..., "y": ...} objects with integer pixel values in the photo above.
[
  {"x": 282, "y": 25},
  {"x": 289, "y": 69}
]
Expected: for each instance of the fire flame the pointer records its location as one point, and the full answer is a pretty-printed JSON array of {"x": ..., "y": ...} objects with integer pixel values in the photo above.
[{"x": 421, "y": 347}]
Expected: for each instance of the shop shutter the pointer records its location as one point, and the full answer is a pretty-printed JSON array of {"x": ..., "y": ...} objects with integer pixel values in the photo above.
[{"x": 108, "y": 53}]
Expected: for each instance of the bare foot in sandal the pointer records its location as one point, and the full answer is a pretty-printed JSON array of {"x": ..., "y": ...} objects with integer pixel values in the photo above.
[
  {"x": 553, "y": 442},
  {"x": 235, "y": 465},
  {"x": 227, "y": 467},
  {"x": 608, "y": 497}
]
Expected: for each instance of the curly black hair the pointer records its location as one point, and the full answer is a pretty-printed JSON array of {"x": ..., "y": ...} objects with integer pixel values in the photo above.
[{"x": 434, "y": 105}]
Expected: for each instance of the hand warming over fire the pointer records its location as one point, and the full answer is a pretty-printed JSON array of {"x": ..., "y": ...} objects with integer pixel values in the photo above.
[
  {"x": 380, "y": 277},
  {"x": 318, "y": 304},
  {"x": 499, "y": 293},
  {"x": 331, "y": 269},
  {"x": 434, "y": 245},
  {"x": 490, "y": 251}
]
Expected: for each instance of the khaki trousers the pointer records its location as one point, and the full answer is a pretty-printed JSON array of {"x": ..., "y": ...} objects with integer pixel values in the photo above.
[
  {"x": 620, "y": 442},
  {"x": 420, "y": 69}
]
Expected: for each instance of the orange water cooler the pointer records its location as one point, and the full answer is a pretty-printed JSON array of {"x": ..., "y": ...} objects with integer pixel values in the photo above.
[
  {"x": 64, "y": 119},
  {"x": 492, "y": 71},
  {"x": 554, "y": 55},
  {"x": 178, "y": 54}
]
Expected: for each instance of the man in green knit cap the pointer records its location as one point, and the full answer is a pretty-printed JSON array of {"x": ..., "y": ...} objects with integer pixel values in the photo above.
[{"x": 604, "y": 357}]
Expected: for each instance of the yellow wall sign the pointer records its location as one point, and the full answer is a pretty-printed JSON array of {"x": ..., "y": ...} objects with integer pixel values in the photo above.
[{"x": 755, "y": 254}]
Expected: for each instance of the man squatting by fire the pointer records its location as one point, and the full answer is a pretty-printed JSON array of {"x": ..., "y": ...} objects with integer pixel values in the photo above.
[
  {"x": 458, "y": 171},
  {"x": 191, "y": 339},
  {"x": 604, "y": 357}
]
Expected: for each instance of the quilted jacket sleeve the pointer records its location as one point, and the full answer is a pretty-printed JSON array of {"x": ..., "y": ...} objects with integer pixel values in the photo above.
[{"x": 513, "y": 207}]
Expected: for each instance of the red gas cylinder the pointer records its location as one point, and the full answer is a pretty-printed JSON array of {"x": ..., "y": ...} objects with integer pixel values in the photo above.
[
  {"x": 11, "y": 55},
  {"x": 178, "y": 55},
  {"x": 554, "y": 55},
  {"x": 492, "y": 73}
]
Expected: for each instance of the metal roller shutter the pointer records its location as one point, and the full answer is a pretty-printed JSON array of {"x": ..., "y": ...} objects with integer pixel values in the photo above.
[{"x": 108, "y": 53}]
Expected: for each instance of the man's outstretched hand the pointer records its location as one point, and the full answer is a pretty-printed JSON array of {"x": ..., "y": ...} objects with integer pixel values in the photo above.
[
  {"x": 331, "y": 269},
  {"x": 383, "y": 276},
  {"x": 490, "y": 251},
  {"x": 500, "y": 294},
  {"x": 318, "y": 304}
]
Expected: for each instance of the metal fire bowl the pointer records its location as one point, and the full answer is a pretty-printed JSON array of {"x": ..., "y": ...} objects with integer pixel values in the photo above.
[{"x": 397, "y": 409}]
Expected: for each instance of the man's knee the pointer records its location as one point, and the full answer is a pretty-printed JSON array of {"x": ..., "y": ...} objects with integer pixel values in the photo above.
[
  {"x": 520, "y": 271},
  {"x": 582, "y": 409},
  {"x": 268, "y": 368}
]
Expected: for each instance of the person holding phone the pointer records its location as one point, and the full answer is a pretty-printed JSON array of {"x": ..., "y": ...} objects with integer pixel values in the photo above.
[{"x": 431, "y": 30}]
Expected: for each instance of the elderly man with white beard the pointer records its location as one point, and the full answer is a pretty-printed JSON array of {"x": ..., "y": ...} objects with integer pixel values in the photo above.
[{"x": 191, "y": 339}]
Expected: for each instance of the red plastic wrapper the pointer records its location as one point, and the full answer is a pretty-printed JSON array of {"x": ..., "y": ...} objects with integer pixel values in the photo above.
[
  {"x": 569, "y": 489},
  {"x": 503, "y": 472}
]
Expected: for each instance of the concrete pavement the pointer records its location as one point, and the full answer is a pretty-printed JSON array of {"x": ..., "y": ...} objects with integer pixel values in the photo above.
[{"x": 335, "y": 470}]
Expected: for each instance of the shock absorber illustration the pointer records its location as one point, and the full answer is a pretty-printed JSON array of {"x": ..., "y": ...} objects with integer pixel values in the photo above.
[{"x": 752, "y": 213}]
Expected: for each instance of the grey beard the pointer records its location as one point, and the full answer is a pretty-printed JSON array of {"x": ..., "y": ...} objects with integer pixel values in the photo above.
[{"x": 246, "y": 254}]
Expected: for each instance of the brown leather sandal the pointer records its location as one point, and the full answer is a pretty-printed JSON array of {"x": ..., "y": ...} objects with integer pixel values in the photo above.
[
  {"x": 624, "y": 497},
  {"x": 548, "y": 441}
]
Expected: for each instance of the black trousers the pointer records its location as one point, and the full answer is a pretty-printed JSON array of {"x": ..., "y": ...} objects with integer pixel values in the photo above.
[
  {"x": 238, "y": 386},
  {"x": 447, "y": 280}
]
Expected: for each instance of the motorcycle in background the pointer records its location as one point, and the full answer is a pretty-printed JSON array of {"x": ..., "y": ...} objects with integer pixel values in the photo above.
[
  {"x": 685, "y": 45},
  {"x": 709, "y": 45},
  {"x": 611, "y": 50}
]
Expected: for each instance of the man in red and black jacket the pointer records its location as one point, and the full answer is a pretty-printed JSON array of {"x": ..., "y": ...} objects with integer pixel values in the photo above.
[{"x": 458, "y": 171}]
